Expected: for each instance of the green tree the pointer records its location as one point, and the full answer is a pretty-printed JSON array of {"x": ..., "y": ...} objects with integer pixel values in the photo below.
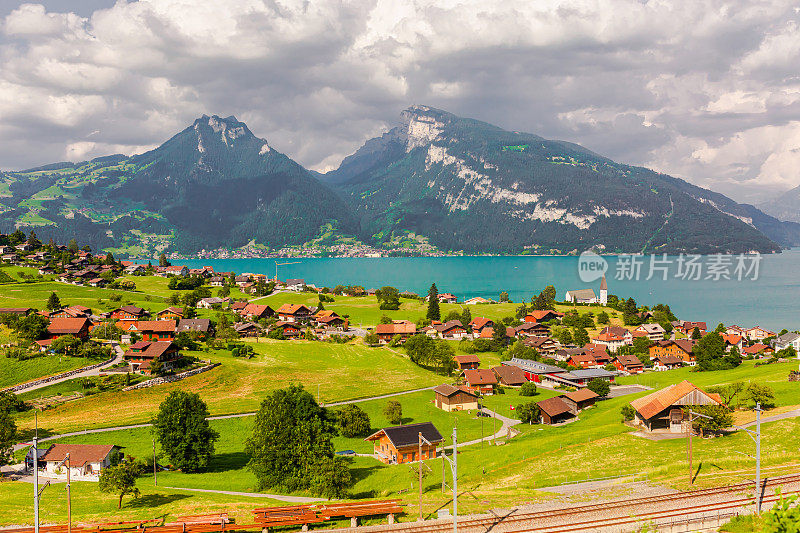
[
  {"x": 121, "y": 479},
  {"x": 385, "y": 319},
  {"x": 696, "y": 335},
  {"x": 291, "y": 440},
  {"x": 503, "y": 297},
  {"x": 719, "y": 418},
  {"x": 580, "y": 336},
  {"x": 72, "y": 247},
  {"x": 353, "y": 421},
  {"x": 627, "y": 412},
  {"x": 66, "y": 344},
  {"x": 466, "y": 316},
  {"x": 388, "y": 298},
  {"x": 710, "y": 354},
  {"x": 371, "y": 339},
  {"x": 8, "y": 431},
  {"x": 331, "y": 477},
  {"x": 528, "y": 413},
  {"x": 393, "y": 412},
  {"x": 499, "y": 337},
  {"x": 162, "y": 261},
  {"x": 599, "y": 386},
  {"x": 32, "y": 327},
  {"x": 602, "y": 318},
  {"x": 433, "y": 303},
  {"x": 763, "y": 394},
  {"x": 784, "y": 515},
  {"x": 53, "y": 302},
  {"x": 528, "y": 389},
  {"x": 183, "y": 432}
]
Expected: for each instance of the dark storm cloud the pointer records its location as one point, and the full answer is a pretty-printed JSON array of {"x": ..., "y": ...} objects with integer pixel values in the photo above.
[{"x": 707, "y": 91}]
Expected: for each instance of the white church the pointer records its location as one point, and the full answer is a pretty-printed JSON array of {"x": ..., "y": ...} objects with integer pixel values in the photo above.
[{"x": 587, "y": 296}]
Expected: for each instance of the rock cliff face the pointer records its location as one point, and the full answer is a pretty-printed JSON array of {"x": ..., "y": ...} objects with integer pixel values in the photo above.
[{"x": 468, "y": 185}]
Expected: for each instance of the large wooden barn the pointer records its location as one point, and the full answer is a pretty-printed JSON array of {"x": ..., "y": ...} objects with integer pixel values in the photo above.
[{"x": 664, "y": 410}]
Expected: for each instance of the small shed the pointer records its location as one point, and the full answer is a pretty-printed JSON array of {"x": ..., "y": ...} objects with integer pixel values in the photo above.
[
  {"x": 450, "y": 398},
  {"x": 579, "y": 400},
  {"x": 663, "y": 410},
  {"x": 554, "y": 410},
  {"x": 467, "y": 361}
]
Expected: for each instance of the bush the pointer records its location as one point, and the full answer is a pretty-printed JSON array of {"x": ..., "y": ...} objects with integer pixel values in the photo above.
[
  {"x": 628, "y": 413},
  {"x": 599, "y": 386},
  {"x": 528, "y": 413},
  {"x": 528, "y": 389},
  {"x": 393, "y": 412}
]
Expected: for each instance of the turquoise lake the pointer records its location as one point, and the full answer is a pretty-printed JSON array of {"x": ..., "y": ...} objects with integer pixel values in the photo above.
[{"x": 772, "y": 300}]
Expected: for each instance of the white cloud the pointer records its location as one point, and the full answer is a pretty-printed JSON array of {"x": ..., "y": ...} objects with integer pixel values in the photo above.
[{"x": 704, "y": 90}]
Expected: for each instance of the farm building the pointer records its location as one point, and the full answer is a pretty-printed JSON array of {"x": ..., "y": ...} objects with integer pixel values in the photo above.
[
  {"x": 450, "y": 398},
  {"x": 510, "y": 376},
  {"x": 480, "y": 380},
  {"x": 554, "y": 411},
  {"x": 86, "y": 461},
  {"x": 467, "y": 361},
  {"x": 579, "y": 400},
  {"x": 664, "y": 410},
  {"x": 400, "y": 444}
]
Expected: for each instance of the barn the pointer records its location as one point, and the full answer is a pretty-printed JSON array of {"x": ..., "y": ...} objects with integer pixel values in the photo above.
[{"x": 663, "y": 410}]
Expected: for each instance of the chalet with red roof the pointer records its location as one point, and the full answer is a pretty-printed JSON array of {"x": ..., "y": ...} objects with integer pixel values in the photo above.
[
  {"x": 77, "y": 327},
  {"x": 664, "y": 410},
  {"x": 545, "y": 315},
  {"x": 141, "y": 355},
  {"x": 628, "y": 363},
  {"x": 403, "y": 328},
  {"x": 294, "y": 313},
  {"x": 154, "y": 330},
  {"x": 479, "y": 380},
  {"x": 452, "y": 329},
  {"x": 468, "y": 361}
]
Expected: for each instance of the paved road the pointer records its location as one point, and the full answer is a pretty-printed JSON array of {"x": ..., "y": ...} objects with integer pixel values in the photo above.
[
  {"x": 89, "y": 373},
  {"x": 774, "y": 418},
  {"x": 505, "y": 429}
]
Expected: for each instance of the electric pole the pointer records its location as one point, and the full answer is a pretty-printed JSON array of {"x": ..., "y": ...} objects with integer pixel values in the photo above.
[{"x": 756, "y": 436}]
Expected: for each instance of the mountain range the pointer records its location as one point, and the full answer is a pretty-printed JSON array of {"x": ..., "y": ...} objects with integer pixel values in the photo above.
[{"x": 453, "y": 183}]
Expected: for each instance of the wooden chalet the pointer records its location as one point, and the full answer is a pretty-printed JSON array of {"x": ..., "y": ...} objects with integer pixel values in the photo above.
[
  {"x": 154, "y": 330},
  {"x": 294, "y": 313},
  {"x": 403, "y": 328},
  {"x": 682, "y": 348},
  {"x": 290, "y": 329},
  {"x": 74, "y": 311},
  {"x": 170, "y": 313},
  {"x": 545, "y": 315},
  {"x": 578, "y": 400},
  {"x": 666, "y": 362},
  {"x": 479, "y": 380},
  {"x": 450, "y": 398},
  {"x": 19, "y": 311},
  {"x": 628, "y": 363},
  {"x": 544, "y": 345},
  {"x": 510, "y": 376},
  {"x": 400, "y": 444},
  {"x": 249, "y": 329},
  {"x": 468, "y": 361},
  {"x": 452, "y": 329},
  {"x": 128, "y": 313},
  {"x": 478, "y": 324},
  {"x": 532, "y": 329},
  {"x": 141, "y": 355},
  {"x": 201, "y": 326},
  {"x": 77, "y": 327},
  {"x": 257, "y": 311},
  {"x": 664, "y": 410},
  {"x": 554, "y": 411}
]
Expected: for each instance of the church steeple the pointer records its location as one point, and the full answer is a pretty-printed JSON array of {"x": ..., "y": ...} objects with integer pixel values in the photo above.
[{"x": 603, "y": 291}]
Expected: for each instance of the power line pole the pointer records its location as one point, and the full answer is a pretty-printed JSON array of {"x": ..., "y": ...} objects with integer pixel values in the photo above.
[
  {"x": 756, "y": 436},
  {"x": 36, "y": 473}
]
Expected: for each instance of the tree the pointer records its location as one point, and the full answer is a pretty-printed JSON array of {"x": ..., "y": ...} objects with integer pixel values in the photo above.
[
  {"x": 433, "y": 303},
  {"x": 393, "y": 412},
  {"x": 8, "y": 430},
  {"x": 66, "y": 344},
  {"x": 599, "y": 386},
  {"x": 627, "y": 412},
  {"x": 183, "y": 432},
  {"x": 729, "y": 393},
  {"x": 499, "y": 337},
  {"x": 503, "y": 297},
  {"x": 388, "y": 298},
  {"x": 385, "y": 319},
  {"x": 720, "y": 418},
  {"x": 353, "y": 421},
  {"x": 371, "y": 339},
  {"x": 528, "y": 413},
  {"x": 32, "y": 327},
  {"x": 331, "y": 477},
  {"x": 291, "y": 441},
  {"x": 696, "y": 335},
  {"x": 762, "y": 394},
  {"x": 466, "y": 316},
  {"x": 710, "y": 354},
  {"x": 528, "y": 389},
  {"x": 162, "y": 261},
  {"x": 72, "y": 247},
  {"x": 121, "y": 479},
  {"x": 580, "y": 336},
  {"x": 602, "y": 318},
  {"x": 53, "y": 302}
]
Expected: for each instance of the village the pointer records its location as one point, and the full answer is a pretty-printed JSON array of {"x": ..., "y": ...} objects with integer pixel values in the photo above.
[{"x": 592, "y": 361}]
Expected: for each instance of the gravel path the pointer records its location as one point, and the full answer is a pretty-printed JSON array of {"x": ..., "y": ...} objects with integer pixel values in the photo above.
[
  {"x": 89, "y": 373},
  {"x": 280, "y": 497}
]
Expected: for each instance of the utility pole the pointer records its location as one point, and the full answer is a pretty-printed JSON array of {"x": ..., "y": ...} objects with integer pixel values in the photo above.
[
  {"x": 36, "y": 473},
  {"x": 419, "y": 460},
  {"x": 155, "y": 473},
  {"x": 756, "y": 436},
  {"x": 69, "y": 497}
]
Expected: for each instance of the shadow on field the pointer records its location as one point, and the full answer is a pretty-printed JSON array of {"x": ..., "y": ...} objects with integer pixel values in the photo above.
[
  {"x": 359, "y": 474},
  {"x": 155, "y": 500},
  {"x": 26, "y": 435},
  {"x": 223, "y": 462}
]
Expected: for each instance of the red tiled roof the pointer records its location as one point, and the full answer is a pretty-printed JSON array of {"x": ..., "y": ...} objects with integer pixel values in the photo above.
[
  {"x": 79, "y": 454},
  {"x": 67, "y": 326},
  {"x": 480, "y": 376}
]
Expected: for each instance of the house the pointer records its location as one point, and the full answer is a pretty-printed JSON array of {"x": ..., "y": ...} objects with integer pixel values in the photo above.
[
  {"x": 579, "y": 400},
  {"x": 210, "y": 302},
  {"x": 581, "y": 296},
  {"x": 477, "y": 300},
  {"x": 333, "y": 322},
  {"x": 480, "y": 380},
  {"x": 19, "y": 311},
  {"x": 468, "y": 361},
  {"x": 545, "y": 315},
  {"x": 544, "y": 345},
  {"x": 134, "y": 270},
  {"x": 201, "y": 326},
  {"x": 403, "y": 328},
  {"x": 241, "y": 280},
  {"x": 216, "y": 281},
  {"x": 666, "y": 362},
  {"x": 780, "y": 343},
  {"x": 452, "y": 329},
  {"x": 141, "y": 355},
  {"x": 238, "y": 307},
  {"x": 554, "y": 411},
  {"x": 735, "y": 330},
  {"x": 170, "y": 313},
  {"x": 758, "y": 333},
  {"x": 86, "y": 461},
  {"x": 628, "y": 363},
  {"x": 532, "y": 329},
  {"x": 294, "y": 313},
  {"x": 614, "y": 338},
  {"x": 757, "y": 349},
  {"x": 450, "y": 398},
  {"x": 582, "y": 376},
  {"x": 510, "y": 376},
  {"x": 732, "y": 341},
  {"x": 687, "y": 327},
  {"x": 681, "y": 348},
  {"x": 289, "y": 329},
  {"x": 583, "y": 360},
  {"x": 128, "y": 313},
  {"x": 447, "y": 298},
  {"x": 77, "y": 327},
  {"x": 176, "y": 270},
  {"x": 479, "y": 323},
  {"x": 295, "y": 284},
  {"x": 653, "y": 331},
  {"x": 154, "y": 330},
  {"x": 74, "y": 311},
  {"x": 257, "y": 311},
  {"x": 400, "y": 444},
  {"x": 664, "y": 410},
  {"x": 537, "y": 371},
  {"x": 249, "y": 329}
]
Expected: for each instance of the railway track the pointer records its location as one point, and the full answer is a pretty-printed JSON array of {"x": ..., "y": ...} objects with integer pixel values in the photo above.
[{"x": 567, "y": 520}]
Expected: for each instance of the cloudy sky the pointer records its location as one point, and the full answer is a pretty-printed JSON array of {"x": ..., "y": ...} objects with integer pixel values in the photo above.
[{"x": 708, "y": 91}]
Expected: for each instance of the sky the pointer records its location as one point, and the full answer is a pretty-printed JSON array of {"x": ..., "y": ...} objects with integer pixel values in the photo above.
[{"x": 706, "y": 91}]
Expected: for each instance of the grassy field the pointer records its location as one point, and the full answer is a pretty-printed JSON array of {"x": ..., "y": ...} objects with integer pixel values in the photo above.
[
  {"x": 35, "y": 295},
  {"x": 14, "y": 372},
  {"x": 338, "y": 371}
]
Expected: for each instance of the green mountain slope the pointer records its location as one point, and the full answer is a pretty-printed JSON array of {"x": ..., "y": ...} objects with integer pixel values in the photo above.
[
  {"x": 212, "y": 185},
  {"x": 468, "y": 185}
]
